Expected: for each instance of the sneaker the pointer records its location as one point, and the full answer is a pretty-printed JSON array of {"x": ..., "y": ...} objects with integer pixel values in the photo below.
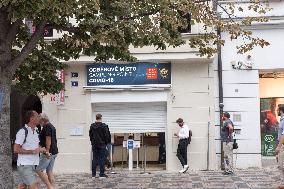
[
  {"x": 181, "y": 171},
  {"x": 185, "y": 168},
  {"x": 228, "y": 173},
  {"x": 103, "y": 176}
]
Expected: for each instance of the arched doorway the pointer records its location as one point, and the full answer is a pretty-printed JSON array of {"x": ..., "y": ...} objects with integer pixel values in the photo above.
[
  {"x": 20, "y": 104},
  {"x": 31, "y": 103}
]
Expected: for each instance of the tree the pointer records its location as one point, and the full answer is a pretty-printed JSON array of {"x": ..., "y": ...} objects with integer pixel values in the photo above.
[{"x": 103, "y": 28}]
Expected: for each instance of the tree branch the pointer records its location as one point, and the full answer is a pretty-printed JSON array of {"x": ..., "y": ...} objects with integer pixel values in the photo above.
[
  {"x": 28, "y": 48},
  {"x": 226, "y": 11}
]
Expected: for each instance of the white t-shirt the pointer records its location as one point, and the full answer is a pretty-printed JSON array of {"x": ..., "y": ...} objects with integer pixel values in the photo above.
[
  {"x": 183, "y": 132},
  {"x": 32, "y": 142}
]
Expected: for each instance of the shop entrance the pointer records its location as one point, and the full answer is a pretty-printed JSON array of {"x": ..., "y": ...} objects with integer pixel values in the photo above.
[
  {"x": 271, "y": 96},
  {"x": 144, "y": 122},
  {"x": 149, "y": 149}
]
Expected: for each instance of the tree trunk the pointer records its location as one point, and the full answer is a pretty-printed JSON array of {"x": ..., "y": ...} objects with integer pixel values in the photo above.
[{"x": 6, "y": 174}]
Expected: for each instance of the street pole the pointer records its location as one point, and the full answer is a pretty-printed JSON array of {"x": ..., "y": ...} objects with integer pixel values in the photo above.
[{"x": 220, "y": 81}]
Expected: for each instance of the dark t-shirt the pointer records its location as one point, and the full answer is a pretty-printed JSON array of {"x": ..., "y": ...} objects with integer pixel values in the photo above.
[
  {"x": 49, "y": 130},
  {"x": 226, "y": 136}
]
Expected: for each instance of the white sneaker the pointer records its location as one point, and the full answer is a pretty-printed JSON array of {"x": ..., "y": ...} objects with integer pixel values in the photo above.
[
  {"x": 185, "y": 168},
  {"x": 181, "y": 171}
]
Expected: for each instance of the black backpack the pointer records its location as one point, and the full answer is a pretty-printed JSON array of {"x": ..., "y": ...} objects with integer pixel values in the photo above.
[
  {"x": 189, "y": 136},
  {"x": 15, "y": 155}
]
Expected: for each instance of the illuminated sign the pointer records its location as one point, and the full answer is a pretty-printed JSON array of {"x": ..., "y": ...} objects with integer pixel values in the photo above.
[{"x": 128, "y": 74}]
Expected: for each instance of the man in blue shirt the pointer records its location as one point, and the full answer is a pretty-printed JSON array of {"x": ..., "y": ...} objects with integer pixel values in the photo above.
[
  {"x": 280, "y": 148},
  {"x": 227, "y": 139}
]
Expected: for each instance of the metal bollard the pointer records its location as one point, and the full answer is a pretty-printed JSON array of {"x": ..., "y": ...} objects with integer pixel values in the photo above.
[
  {"x": 145, "y": 160},
  {"x": 111, "y": 161},
  {"x": 122, "y": 151},
  {"x": 137, "y": 159}
]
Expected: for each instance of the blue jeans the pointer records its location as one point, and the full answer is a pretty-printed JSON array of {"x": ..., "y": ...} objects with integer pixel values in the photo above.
[{"x": 99, "y": 157}]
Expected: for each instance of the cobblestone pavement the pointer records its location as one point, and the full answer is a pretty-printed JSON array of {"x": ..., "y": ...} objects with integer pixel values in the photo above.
[{"x": 265, "y": 178}]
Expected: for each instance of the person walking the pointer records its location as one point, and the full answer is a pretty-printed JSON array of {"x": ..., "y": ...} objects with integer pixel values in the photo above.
[
  {"x": 182, "y": 145},
  {"x": 48, "y": 140},
  {"x": 227, "y": 139},
  {"x": 280, "y": 148},
  {"x": 28, "y": 149},
  {"x": 99, "y": 136}
]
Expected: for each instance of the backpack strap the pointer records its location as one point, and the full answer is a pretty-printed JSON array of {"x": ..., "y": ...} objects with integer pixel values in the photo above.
[{"x": 26, "y": 134}]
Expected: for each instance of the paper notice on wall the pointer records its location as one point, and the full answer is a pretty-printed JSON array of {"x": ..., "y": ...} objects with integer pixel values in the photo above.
[
  {"x": 124, "y": 144},
  {"x": 137, "y": 144},
  {"x": 77, "y": 131}
]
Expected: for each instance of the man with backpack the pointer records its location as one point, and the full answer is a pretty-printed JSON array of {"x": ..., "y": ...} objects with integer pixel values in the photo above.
[
  {"x": 182, "y": 145},
  {"x": 99, "y": 137},
  {"x": 227, "y": 139},
  {"x": 28, "y": 149}
]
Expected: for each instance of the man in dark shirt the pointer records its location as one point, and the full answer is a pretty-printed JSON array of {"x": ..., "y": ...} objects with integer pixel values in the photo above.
[
  {"x": 227, "y": 139},
  {"x": 49, "y": 141},
  {"x": 99, "y": 137}
]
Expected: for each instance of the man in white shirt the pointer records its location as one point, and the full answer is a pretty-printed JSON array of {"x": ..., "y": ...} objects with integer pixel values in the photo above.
[
  {"x": 182, "y": 145},
  {"x": 28, "y": 149}
]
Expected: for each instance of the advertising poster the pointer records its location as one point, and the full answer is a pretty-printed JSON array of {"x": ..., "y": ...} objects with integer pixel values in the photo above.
[
  {"x": 269, "y": 121},
  {"x": 128, "y": 74}
]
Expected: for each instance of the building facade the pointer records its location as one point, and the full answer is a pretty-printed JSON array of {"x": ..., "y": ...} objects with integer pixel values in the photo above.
[
  {"x": 252, "y": 89},
  {"x": 145, "y": 108},
  {"x": 135, "y": 108}
]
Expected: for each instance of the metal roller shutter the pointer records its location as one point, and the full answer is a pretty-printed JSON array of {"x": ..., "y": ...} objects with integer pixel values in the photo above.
[{"x": 133, "y": 117}]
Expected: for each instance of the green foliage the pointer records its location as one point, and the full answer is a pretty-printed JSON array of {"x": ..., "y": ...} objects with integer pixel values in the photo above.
[
  {"x": 38, "y": 74},
  {"x": 107, "y": 28}
]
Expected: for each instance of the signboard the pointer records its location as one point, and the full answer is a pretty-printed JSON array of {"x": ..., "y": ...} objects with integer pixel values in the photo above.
[
  {"x": 77, "y": 131},
  {"x": 269, "y": 144},
  {"x": 130, "y": 144},
  {"x": 128, "y": 74},
  {"x": 269, "y": 124},
  {"x": 137, "y": 144},
  {"x": 59, "y": 98}
]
